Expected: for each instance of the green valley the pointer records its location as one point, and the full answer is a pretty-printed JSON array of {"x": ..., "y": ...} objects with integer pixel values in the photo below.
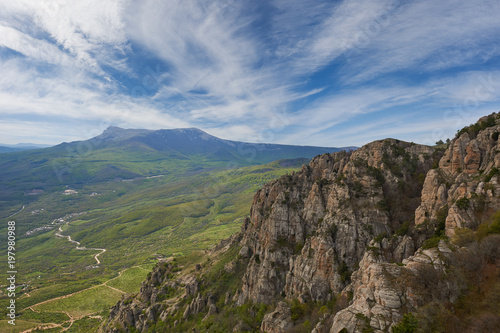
[{"x": 98, "y": 234}]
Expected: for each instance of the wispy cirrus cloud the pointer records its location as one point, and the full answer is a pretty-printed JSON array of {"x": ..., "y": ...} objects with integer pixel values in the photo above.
[
  {"x": 87, "y": 31},
  {"x": 428, "y": 36},
  {"x": 286, "y": 71},
  {"x": 33, "y": 48}
]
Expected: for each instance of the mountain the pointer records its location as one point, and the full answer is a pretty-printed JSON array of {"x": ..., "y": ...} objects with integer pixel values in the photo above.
[
  {"x": 20, "y": 146},
  {"x": 392, "y": 237},
  {"x": 106, "y": 209},
  {"x": 132, "y": 153},
  {"x": 4, "y": 149},
  {"x": 188, "y": 142}
]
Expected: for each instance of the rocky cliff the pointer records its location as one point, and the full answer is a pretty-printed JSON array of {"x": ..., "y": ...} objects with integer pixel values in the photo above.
[
  {"x": 338, "y": 242},
  {"x": 463, "y": 187},
  {"x": 309, "y": 230}
]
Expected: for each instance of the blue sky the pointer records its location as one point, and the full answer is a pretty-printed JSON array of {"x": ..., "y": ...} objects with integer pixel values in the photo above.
[{"x": 328, "y": 73}]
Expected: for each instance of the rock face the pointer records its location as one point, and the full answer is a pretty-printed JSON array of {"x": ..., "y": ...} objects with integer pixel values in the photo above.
[
  {"x": 308, "y": 231},
  {"x": 147, "y": 307},
  {"x": 278, "y": 321},
  {"x": 462, "y": 190},
  {"x": 383, "y": 290},
  {"x": 349, "y": 224}
]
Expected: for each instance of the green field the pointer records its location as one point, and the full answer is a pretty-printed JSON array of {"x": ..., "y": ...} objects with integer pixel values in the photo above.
[
  {"x": 20, "y": 326},
  {"x": 130, "y": 280},
  {"x": 83, "y": 303},
  {"x": 137, "y": 222}
]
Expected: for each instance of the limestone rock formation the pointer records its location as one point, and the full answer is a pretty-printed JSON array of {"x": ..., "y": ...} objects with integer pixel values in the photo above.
[
  {"x": 349, "y": 226},
  {"x": 382, "y": 290},
  {"x": 462, "y": 189},
  {"x": 308, "y": 231},
  {"x": 278, "y": 321}
]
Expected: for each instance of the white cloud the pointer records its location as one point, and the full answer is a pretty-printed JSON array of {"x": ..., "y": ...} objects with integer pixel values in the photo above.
[
  {"x": 34, "y": 48},
  {"x": 426, "y": 36},
  {"x": 339, "y": 33},
  {"x": 448, "y": 103},
  {"x": 46, "y": 132},
  {"x": 90, "y": 31},
  {"x": 291, "y": 68},
  {"x": 26, "y": 93}
]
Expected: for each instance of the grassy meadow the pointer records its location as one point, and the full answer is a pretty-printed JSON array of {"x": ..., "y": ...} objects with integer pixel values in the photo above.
[{"x": 137, "y": 221}]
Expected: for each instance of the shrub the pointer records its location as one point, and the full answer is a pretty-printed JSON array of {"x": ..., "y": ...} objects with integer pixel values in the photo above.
[
  {"x": 357, "y": 187},
  {"x": 408, "y": 324},
  {"x": 493, "y": 172},
  {"x": 383, "y": 205},
  {"x": 375, "y": 250},
  {"x": 298, "y": 248},
  {"x": 323, "y": 310},
  {"x": 377, "y": 174},
  {"x": 380, "y": 237},
  {"x": 333, "y": 230},
  {"x": 463, "y": 236},
  {"x": 345, "y": 275},
  {"x": 441, "y": 216},
  {"x": 474, "y": 129},
  {"x": 366, "y": 323},
  {"x": 323, "y": 182},
  {"x": 463, "y": 203},
  {"x": 339, "y": 179},
  {"x": 298, "y": 309},
  {"x": 403, "y": 230},
  {"x": 489, "y": 227},
  {"x": 431, "y": 242}
]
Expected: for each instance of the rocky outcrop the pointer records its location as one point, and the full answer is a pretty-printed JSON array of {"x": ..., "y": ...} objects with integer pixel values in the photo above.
[
  {"x": 309, "y": 230},
  {"x": 384, "y": 291},
  {"x": 278, "y": 321},
  {"x": 349, "y": 226},
  {"x": 148, "y": 306},
  {"x": 461, "y": 191}
]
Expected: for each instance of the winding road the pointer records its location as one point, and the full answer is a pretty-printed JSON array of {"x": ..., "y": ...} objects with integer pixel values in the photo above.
[
  {"x": 81, "y": 248},
  {"x": 8, "y": 217}
]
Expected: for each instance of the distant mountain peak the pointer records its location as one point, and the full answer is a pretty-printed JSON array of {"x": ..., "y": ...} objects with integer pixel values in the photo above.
[
  {"x": 115, "y": 133},
  {"x": 194, "y": 141},
  {"x": 113, "y": 129}
]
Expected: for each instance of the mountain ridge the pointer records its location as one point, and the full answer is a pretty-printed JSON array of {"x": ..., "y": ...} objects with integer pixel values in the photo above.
[
  {"x": 4, "y": 148},
  {"x": 115, "y": 133},
  {"x": 336, "y": 247},
  {"x": 118, "y": 154}
]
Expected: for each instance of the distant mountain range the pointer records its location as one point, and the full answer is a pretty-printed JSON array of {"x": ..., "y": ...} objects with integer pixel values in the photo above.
[
  {"x": 119, "y": 154},
  {"x": 4, "y": 148},
  {"x": 192, "y": 141}
]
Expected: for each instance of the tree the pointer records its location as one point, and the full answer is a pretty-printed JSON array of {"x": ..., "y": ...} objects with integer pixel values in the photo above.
[
  {"x": 408, "y": 324},
  {"x": 440, "y": 142}
]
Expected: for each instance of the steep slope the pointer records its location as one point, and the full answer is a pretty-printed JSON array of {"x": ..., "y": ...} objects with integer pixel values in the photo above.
[
  {"x": 309, "y": 231},
  {"x": 348, "y": 244},
  {"x": 462, "y": 189}
]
